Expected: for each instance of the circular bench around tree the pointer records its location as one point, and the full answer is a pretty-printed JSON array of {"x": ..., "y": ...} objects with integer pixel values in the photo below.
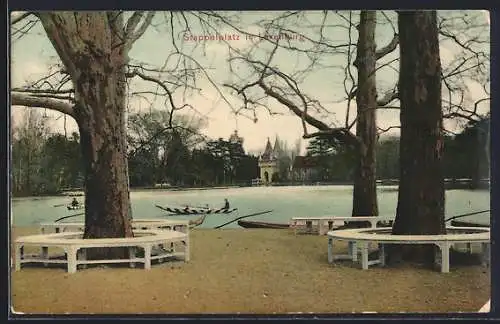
[
  {"x": 362, "y": 237},
  {"x": 75, "y": 246}
]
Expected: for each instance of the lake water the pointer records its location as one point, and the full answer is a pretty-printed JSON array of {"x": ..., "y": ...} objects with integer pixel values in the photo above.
[{"x": 286, "y": 202}]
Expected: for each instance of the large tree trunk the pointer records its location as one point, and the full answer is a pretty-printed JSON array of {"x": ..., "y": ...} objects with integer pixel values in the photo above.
[
  {"x": 100, "y": 113},
  {"x": 420, "y": 208},
  {"x": 94, "y": 56},
  {"x": 365, "y": 191}
]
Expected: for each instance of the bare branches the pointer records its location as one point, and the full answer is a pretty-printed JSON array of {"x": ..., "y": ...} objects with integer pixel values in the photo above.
[
  {"x": 290, "y": 105},
  {"x": 463, "y": 113},
  {"x": 20, "y": 99},
  {"x": 16, "y": 17},
  {"x": 163, "y": 86},
  {"x": 47, "y": 91},
  {"x": 18, "y": 31},
  {"x": 384, "y": 130}
]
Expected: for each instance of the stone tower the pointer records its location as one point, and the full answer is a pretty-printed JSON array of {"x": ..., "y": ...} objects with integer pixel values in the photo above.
[{"x": 268, "y": 164}]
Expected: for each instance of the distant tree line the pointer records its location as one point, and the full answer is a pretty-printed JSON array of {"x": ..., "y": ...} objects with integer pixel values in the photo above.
[
  {"x": 174, "y": 153},
  {"x": 465, "y": 156},
  {"x": 160, "y": 151}
]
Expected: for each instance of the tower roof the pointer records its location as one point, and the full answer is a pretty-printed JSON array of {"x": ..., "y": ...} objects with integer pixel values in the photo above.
[
  {"x": 277, "y": 147},
  {"x": 268, "y": 152}
]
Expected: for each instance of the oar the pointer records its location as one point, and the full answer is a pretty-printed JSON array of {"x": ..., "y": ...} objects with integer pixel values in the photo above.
[
  {"x": 59, "y": 205},
  {"x": 198, "y": 221},
  {"x": 468, "y": 214},
  {"x": 234, "y": 220},
  {"x": 68, "y": 217}
]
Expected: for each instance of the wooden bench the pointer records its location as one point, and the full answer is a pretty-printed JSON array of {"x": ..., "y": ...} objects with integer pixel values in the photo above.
[
  {"x": 75, "y": 247},
  {"x": 362, "y": 237},
  {"x": 143, "y": 224},
  {"x": 322, "y": 225}
]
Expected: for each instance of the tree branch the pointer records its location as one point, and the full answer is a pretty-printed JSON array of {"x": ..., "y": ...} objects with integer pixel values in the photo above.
[
  {"x": 290, "y": 105},
  {"x": 16, "y": 17},
  {"x": 388, "y": 48},
  {"x": 341, "y": 133},
  {"x": 162, "y": 85},
  {"x": 18, "y": 99},
  {"x": 388, "y": 98},
  {"x": 131, "y": 34},
  {"x": 44, "y": 91}
]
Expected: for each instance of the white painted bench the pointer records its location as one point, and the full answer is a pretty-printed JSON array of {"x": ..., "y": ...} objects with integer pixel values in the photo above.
[
  {"x": 323, "y": 224},
  {"x": 139, "y": 223},
  {"x": 75, "y": 247},
  {"x": 362, "y": 237}
]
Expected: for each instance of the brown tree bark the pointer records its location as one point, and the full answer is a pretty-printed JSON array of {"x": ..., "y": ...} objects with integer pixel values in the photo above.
[
  {"x": 420, "y": 208},
  {"x": 95, "y": 56},
  {"x": 365, "y": 191}
]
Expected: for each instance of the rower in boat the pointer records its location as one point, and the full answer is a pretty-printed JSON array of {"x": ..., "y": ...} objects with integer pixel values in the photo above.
[{"x": 75, "y": 203}]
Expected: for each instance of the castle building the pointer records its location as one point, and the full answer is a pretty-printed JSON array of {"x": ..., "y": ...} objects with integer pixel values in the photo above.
[
  {"x": 268, "y": 162},
  {"x": 234, "y": 138}
]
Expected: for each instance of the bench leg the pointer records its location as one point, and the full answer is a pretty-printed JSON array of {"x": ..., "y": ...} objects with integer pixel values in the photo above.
[
  {"x": 330, "y": 250},
  {"x": 353, "y": 250},
  {"x": 381, "y": 254},
  {"x": 45, "y": 254},
  {"x": 71, "y": 259},
  {"x": 485, "y": 254},
  {"x": 445, "y": 257},
  {"x": 132, "y": 254},
  {"x": 82, "y": 255},
  {"x": 161, "y": 246},
  {"x": 321, "y": 229},
  {"x": 364, "y": 255},
  {"x": 187, "y": 250},
  {"x": 19, "y": 256},
  {"x": 147, "y": 257}
]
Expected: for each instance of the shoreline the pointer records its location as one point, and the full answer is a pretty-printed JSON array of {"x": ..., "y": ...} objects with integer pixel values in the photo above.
[{"x": 383, "y": 187}]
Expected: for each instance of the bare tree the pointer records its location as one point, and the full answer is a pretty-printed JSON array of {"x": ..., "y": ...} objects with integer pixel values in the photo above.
[
  {"x": 286, "y": 89},
  {"x": 365, "y": 189},
  {"x": 90, "y": 85},
  {"x": 92, "y": 81},
  {"x": 420, "y": 207}
]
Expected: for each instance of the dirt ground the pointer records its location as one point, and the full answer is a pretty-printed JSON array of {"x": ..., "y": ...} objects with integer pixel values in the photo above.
[{"x": 259, "y": 271}]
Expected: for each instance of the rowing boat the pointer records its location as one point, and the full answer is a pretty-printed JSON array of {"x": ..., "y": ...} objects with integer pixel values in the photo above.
[
  {"x": 193, "y": 211},
  {"x": 257, "y": 224},
  {"x": 70, "y": 207}
]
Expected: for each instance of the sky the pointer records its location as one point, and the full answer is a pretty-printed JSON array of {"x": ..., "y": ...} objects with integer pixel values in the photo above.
[{"x": 32, "y": 56}]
